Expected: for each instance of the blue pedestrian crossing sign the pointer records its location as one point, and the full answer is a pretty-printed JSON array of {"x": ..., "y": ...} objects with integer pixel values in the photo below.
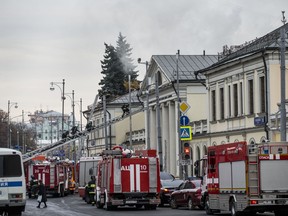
[{"x": 186, "y": 133}]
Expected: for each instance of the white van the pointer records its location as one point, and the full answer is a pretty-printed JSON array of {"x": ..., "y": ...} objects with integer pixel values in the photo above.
[{"x": 12, "y": 182}]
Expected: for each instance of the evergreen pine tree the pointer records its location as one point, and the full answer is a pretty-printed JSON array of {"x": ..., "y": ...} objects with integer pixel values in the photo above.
[
  {"x": 116, "y": 66},
  {"x": 113, "y": 75},
  {"x": 124, "y": 54}
]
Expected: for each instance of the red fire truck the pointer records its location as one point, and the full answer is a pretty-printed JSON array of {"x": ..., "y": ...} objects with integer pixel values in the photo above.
[
  {"x": 132, "y": 180},
  {"x": 54, "y": 174},
  {"x": 247, "y": 178}
]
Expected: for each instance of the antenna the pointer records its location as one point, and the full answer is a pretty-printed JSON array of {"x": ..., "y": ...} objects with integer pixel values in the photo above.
[{"x": 283, "y": 18}]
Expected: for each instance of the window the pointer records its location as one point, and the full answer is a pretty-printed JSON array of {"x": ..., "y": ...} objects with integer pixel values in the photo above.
[
  {"x": 97, "y": 131},
  {"x": 235, "y": 99},
  {"x": 10, "y": 166},
  {"x": 229, "y": 100},
  {"x": 213, "y": 104},
  {"x": 241, "y": 98},
  {"x": 250, "y": 97},
  {"x": 262, "y": 94},
  {"x": 159, "y": 78},
  {"x": 222, "y": 104}
]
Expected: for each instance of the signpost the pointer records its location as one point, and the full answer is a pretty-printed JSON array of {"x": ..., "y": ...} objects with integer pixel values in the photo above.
[
  {"x": 186, "y": 133},
  {"x": 184, "y": 120},
  {"x": 184, "y": 162}
]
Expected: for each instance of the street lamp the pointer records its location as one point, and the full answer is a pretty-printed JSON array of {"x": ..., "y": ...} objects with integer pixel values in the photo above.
[
  {"x": 147, "y": 103},
  {"x": 62, "y": 97},
  {"x": 10, "y": 104},
  {"x": 178, "y": 115},
  {"x": 130, "y": 117}
]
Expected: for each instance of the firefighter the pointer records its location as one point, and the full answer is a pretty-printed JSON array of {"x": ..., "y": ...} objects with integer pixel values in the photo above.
[
  {"x": 125, "y": 109},
  {"x": 33, "y": 186},
  {"x": 90, "y": 191}
]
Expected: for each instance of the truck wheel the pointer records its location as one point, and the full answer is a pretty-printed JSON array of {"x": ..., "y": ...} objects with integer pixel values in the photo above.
[
  {"x": 138, "y": 206},
  {"x": 106, "y": 206},
  {"x": 98, "y": 203},
  {"x": 207, "y": 207},
  {"x": 150, "y": 207},
  {"x": 173, "y": 203},
  {"x": 190, "y": 204},
  {"x": 233, "y": 209},
  {"x": 281, "y": 212},
  {"x": 15, "y": 213},
  {"x": 62, "y": 193}
]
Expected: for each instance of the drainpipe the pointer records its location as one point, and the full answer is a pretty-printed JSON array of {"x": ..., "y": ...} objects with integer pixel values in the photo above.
[{"x": 266, "y": 128}]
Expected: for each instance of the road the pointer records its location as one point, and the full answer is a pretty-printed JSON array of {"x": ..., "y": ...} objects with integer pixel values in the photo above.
[{"x": 73, "y": 205}]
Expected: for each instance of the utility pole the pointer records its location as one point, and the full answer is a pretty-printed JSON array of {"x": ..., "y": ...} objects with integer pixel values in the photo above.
[
  {"x": 283, "y": 78},
  {"x": 105, "y": 122},
  {"x": 178, "y": 117},
  {"x": 23, "y": 145},
  {"x": 159, "y": 142}
]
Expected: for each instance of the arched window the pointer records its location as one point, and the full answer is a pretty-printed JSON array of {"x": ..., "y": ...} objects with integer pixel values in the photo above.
[
  {"x": 252, "y": 141},
  {"x": 205, "y": 150},
  {"x": 198, "y": 153},
  {"x": 263, "y": 140}
]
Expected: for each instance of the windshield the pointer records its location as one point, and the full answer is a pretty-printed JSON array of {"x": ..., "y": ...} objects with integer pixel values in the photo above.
[
  {"x": 166, "y": 176},
  {"x": 10, "y": 166},
  {"x": 197, "y": 183}
]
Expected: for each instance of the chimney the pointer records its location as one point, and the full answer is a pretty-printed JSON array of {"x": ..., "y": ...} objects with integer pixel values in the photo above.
[{"x": 203, "y": 52}]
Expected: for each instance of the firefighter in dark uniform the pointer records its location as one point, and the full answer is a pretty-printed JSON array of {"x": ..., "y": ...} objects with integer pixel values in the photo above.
[
  {"x": 90, "y": 191},
  {"x": 33, "y": 187}
]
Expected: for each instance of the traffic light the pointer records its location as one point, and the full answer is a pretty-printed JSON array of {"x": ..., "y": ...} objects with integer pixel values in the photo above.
[{"x": 186, "y": 151}]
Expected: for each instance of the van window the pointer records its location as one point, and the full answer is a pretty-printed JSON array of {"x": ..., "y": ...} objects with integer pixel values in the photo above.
[{"x": 10, "y": 166}]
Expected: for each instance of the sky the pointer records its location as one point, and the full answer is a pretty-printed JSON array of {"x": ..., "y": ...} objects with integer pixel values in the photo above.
[{"x": 44, "y": 41}]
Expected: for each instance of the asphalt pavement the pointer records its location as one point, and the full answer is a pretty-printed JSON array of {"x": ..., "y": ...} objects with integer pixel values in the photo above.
[{"x": 73, "y": 205}]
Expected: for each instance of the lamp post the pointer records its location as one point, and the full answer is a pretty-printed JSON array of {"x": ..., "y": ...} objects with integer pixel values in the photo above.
[
  {"x": 130, "y": 117},
  {"x": 178, "y": 116},
  {"x": 10, "y": 104},
  {"x": 62, "y": 97},
  {"x": 147, "y": 104}
]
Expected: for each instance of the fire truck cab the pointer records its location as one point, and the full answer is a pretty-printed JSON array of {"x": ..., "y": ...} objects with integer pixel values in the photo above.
[
  {"x": 132, "y": 180},
  {"x": 245, "y": 178}
]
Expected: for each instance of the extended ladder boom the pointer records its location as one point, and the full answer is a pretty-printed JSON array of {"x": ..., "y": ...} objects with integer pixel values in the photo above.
[{"x": 78, "y": 136}]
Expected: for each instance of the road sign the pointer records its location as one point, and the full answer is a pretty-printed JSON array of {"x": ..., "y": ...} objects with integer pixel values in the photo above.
[
  {"x": 186, "y": 133},
  {"x": 184, "y": 120},
  {"x": 61, "y": 153},
  {"x": 184, "y": 107},
  {"x": 259, "y": 121},
  {"x": 184, "y": 162}
]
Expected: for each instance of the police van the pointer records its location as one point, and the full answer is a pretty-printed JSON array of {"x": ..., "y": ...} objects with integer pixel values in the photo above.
[{"x": 12, "y": 182}]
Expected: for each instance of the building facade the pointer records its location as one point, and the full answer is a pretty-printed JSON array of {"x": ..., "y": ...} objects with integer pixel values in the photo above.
[{"x": 48, "y": 126}]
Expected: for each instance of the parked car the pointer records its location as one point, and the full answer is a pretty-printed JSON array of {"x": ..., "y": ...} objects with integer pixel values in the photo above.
[
  {"x": 188, "y": 194},
  {"x": 167, "y": 187},
  {"x": 166, "y": 176}
]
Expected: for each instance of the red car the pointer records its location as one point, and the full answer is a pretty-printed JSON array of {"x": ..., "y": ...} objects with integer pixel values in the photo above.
[{"x": 188, "y": 194}]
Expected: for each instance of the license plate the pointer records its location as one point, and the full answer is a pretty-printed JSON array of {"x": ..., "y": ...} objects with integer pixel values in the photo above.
[{"x": 131, "y": 202}]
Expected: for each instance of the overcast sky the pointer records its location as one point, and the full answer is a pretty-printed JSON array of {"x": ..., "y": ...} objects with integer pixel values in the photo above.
[{"x": 43, "y": 41}]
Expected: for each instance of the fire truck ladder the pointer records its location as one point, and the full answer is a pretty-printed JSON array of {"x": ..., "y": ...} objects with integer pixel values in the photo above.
[
  {"x": 82, "y": 134},
  {"x": 253, "y": 171}
]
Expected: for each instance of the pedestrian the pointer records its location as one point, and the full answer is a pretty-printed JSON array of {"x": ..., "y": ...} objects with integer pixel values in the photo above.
[{"x": 42, "y": 194}]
